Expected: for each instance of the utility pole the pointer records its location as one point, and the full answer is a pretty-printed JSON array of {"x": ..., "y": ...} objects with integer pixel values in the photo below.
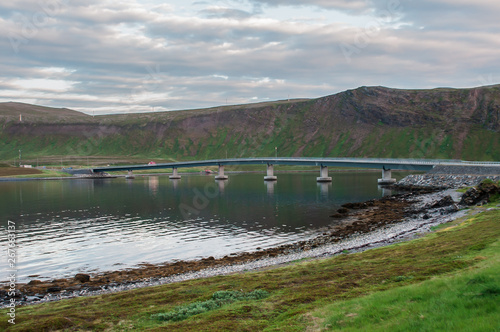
[
  {"x": 19, "y": 158},
  {"x": 276, "y": 148}
]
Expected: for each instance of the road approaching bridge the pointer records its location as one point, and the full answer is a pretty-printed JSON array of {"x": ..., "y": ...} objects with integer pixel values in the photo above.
[{"x": 386, "y": 165}]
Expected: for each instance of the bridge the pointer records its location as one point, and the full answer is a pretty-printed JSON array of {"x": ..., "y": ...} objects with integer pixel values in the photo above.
[{"x": 386, "y": 165}]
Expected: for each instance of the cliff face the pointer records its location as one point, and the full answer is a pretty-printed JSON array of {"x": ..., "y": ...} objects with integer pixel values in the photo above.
[{"x": 365, "y": 122}]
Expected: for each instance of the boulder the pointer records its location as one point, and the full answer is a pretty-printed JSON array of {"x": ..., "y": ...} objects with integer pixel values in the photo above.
[
  {"x": 480, "y": 194},
  {"x": 81, "y": 277},
  {"x": 472, "y": 197},
  {"x": 343, "y": 210},
  {"x": 54, "y": 289},
  {"x": 34, "y": 282},
  {"x": 445, "y": 201},
  {"x": 489, "y": 187},
  {"x": 355, "y": 206}
]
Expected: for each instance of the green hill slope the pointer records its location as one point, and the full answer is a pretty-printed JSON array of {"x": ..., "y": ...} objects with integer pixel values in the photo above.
[{"x": 365, "y": 122}]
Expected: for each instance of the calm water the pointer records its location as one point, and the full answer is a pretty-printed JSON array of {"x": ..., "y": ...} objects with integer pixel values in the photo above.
[{"x": 65, "y": 227}]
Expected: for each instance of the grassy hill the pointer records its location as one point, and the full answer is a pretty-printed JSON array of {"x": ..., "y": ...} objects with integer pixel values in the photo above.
[{"x": 364, "y": 122}]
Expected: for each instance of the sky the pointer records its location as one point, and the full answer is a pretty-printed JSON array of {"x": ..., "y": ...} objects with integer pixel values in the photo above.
[{"x": 106, "y": 57}]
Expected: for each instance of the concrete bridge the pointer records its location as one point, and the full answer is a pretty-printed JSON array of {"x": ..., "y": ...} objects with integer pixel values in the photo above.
[{"x": 386, "y": 165}]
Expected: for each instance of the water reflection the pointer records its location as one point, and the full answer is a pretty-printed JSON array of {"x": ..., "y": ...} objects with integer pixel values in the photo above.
[
  {"x": 175, "y": 183},
  {"x": 221, "y": 185},
  {"x": 324, "y": 188},
  {"x": 270, "y": 187},
  {"x": 153, "y": 183},
  {"x": 385, "y": 191}
]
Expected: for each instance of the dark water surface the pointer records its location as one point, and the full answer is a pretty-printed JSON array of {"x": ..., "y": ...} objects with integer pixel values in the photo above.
[{"x": 65, "y": 227}]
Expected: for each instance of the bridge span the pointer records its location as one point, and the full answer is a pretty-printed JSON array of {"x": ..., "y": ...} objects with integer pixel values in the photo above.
[{"x": 386, "y": 165}]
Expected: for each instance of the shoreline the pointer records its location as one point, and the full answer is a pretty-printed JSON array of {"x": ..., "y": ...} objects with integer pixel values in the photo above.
[{"x": 363, "y": 226}]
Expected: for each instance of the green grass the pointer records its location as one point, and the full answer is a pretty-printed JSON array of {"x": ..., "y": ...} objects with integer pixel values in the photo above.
[
  {"x": 489, "y": 142},
  {"x": 389, "y": 142},
  {"x": 218, "y": 300},
  {"x": 45, "y": 174},
  {"x": 312, "y": 294},
  {"x": 465, "y": 301}
]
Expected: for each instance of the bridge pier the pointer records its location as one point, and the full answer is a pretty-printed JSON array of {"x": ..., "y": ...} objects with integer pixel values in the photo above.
[
  {"x": 324, "y": 175},
  {"x": 270, "y": 173},
  {"x": 221, "y": 175},
  {"x": 175, "y": 174},
  {"x": 129, "y": 175},
  {"x": 386, "y": 177}
]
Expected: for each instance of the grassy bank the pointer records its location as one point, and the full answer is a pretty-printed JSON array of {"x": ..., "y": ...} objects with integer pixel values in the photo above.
[
  {"x": 466, "y": 300},
  {"x": 452, "y": 273},
  {"x": 21, "y": 173}
]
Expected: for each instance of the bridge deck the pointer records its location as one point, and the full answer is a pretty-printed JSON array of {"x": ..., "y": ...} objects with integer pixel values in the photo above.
[{"x": 394, "y": 164}]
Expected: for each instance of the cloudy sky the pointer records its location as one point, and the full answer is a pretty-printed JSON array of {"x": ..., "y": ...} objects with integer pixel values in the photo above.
[{"x": 135, "y": 56}]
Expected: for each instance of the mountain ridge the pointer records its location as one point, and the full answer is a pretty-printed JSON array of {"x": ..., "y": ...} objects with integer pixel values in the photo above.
[{"x": 362, "y": 122}]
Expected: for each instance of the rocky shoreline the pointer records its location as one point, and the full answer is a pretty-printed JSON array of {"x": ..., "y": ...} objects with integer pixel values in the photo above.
[
  {"x": 441, "y": 181},
  {"x": 355, "y": 227}
]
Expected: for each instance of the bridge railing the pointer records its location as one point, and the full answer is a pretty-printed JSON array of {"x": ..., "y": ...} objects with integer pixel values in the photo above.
[{"x": 345, "y": 159}]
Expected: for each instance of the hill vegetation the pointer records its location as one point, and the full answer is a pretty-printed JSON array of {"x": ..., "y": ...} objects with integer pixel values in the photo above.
[{"x": 364, "y": 122}]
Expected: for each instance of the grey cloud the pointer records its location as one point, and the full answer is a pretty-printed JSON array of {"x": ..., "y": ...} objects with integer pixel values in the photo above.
[
  {"x": 7, "y": 86},
  {"x": 225, "y": 13},
  {"x": 356, "y": 6},
  {"x": 184, "y": 53},
  {"x": 443, "y": 14},
  {"x": 115, "y": 16}
]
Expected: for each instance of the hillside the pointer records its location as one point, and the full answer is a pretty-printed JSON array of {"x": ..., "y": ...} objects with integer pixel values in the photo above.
[
  {"x": 32, "y": 113},
  {"x": 364, "y": 122}
]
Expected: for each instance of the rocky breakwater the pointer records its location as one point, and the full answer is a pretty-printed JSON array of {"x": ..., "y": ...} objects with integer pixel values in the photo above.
[{"x": 447, "y": 177}]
